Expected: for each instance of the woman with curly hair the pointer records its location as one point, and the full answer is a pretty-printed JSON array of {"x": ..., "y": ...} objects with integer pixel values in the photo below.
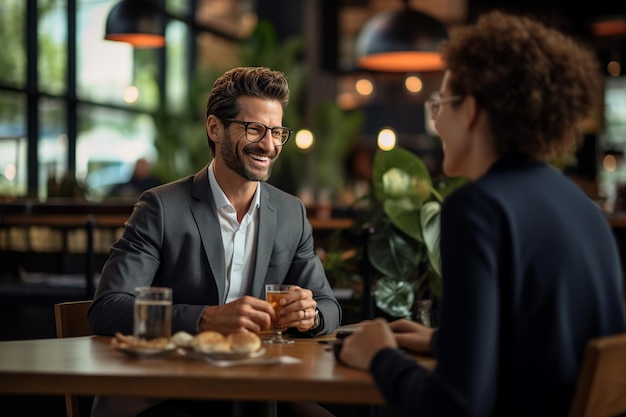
[{"x": 530, "y": 267}]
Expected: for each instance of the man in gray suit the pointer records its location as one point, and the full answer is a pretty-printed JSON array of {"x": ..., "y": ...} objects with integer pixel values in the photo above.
[{"x": 217, "y": 237}]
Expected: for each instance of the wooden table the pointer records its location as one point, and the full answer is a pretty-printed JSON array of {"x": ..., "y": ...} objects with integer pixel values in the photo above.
[{"x": 91, "y": 366}]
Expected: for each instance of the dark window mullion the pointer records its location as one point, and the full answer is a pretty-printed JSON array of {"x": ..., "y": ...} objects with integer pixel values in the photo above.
[
  {"x": 72, "y": 103},
  {"x": 32, "y": 97}
]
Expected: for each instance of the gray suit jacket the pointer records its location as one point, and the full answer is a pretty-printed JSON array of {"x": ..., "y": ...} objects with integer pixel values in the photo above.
[{"x": 172, "y": 239}]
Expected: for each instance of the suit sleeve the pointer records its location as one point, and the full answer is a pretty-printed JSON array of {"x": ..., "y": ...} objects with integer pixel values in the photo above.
[
  {"x": 307, "y": 271},
  {"x": 133, "y": 262}
]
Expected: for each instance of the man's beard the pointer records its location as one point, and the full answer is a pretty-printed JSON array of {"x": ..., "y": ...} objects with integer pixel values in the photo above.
[{"x": 237, "y": 164}]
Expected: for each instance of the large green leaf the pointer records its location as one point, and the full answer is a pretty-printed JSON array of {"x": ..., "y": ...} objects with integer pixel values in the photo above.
[
  {"x": 398, "y": 174},
  {"x": 431, "y": 232},
  {"x": 447, "y": 185},
  {"x": 394, "y": 297},
  {"x": 405, "y": 215},
  {"x": 402, "y": 182},
  {"x": 394, "y": 254}
]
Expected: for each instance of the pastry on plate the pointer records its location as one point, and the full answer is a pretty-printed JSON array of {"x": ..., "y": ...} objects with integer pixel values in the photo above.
[
  {"x": 182, "y": 339},
  {"x": 210, "y": 341},
  {"x": 244, "y": 342}
]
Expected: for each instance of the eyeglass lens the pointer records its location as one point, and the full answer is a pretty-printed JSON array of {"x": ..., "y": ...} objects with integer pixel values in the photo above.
[
  {"x": 434, "y": 107},
  {"x": 257, "y": 131},
  {"x": 433, "y": 104}
]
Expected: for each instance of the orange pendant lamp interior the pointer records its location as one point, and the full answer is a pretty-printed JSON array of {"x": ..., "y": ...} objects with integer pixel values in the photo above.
[
  {"x": 138, "y": 22},
  {"x": 403, "y": 40}
]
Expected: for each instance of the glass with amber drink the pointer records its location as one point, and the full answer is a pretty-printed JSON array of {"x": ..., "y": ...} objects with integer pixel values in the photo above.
[{"x": 273, "y": 294}]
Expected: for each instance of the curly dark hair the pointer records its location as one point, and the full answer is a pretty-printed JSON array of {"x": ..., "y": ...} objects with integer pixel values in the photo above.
[
  {"x": 244, "y": 82},
  {"x": 535, "y": 82}
]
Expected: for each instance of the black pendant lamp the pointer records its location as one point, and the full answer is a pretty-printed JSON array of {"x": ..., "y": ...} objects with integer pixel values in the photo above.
[
  {"x": 403, "y": 40},
  {"x": 138, "y": 22}
]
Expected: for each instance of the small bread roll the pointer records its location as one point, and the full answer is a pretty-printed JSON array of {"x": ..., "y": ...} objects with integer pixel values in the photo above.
[
  {"x": 244, "y": 342},
  {"x": 210, "y": 341},
  {"x": 182, "y": 339}
]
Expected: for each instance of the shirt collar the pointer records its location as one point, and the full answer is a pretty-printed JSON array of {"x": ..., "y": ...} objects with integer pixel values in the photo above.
[{"x": 220, "y": 198}]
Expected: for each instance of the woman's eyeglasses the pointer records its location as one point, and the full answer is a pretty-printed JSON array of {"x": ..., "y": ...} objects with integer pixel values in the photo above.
[
  {"x": 256, "y": 131},
  {"x": 433, "y": 104}
]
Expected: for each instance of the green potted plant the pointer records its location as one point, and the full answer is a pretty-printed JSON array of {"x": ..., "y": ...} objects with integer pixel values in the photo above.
[{"x": 403, "y": 217}]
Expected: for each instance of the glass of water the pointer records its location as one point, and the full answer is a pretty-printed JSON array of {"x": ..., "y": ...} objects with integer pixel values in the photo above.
[{"x": 153, "y": 312}]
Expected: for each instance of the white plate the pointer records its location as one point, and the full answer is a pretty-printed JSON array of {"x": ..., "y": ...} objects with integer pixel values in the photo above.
[
  {"x": 147, "y": 352},
  {"x": 230, "y": 356}
]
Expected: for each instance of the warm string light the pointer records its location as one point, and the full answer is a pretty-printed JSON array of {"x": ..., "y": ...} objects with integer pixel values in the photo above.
[
  {"x": 413, "y": 84},
  {"x": 364, "y": 86},
  {"x": 614, "y": 68},
  {"x": 387, "y": 139},
  {"x": 10, "y": 171},
  {"x": 609, "y": 163},
  {"x": 131, "y": 94},
  {"x": 304, "y": 139}
]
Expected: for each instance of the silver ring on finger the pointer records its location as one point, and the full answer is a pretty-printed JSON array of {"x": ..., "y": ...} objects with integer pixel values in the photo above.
[{"x": 303, "y": 314}]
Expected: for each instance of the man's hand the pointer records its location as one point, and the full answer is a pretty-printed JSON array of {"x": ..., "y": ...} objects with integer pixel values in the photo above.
[
  {"x": 245, "y": 313},
  {"x": 298, "y": 309}
]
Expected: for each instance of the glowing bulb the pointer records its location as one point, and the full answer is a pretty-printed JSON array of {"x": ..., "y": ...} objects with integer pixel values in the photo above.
[
  {"x": 613, "y": 68},
  {"x": 304, "y": 139},
  {"x": 413, "y": 84},
  {"x": 609, "y": 163},
  {"x": 131, "y": 94},
  {"x": 10, "y": 171},
  {"x": 364, "y": 87},
  {"x": 386, "y": 139}
]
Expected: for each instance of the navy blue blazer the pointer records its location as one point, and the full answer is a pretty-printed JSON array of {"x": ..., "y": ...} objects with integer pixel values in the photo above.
[
  {"x": 531, "y": 271},
  {"x": 173, "y": 239}
]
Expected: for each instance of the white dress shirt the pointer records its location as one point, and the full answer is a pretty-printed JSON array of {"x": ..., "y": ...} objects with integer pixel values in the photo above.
[{"x": 238, "y": 239}]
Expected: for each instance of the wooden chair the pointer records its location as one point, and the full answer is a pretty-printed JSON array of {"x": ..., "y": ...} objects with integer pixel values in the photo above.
[
  {"x": 71, "y": 321},
  {"x": 601, "y": 387}
]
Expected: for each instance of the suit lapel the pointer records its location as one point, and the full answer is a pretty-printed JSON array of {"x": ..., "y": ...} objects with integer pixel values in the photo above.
[
  {"x": 268, "y": 221},
  {"x": 205, "y": 214}
]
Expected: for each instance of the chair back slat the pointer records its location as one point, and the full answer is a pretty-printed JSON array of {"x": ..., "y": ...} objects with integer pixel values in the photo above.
[
  {"x": 601, "y": 386},
  {"x": 70, "y": 318}
]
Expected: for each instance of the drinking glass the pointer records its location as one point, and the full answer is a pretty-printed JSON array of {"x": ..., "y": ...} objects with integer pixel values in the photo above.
[
  {"x": 273, "y": 295},
  {"x": 153, "y": 312}
]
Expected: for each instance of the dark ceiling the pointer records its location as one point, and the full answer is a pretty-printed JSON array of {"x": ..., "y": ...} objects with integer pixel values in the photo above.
[
  {"x": 575, "y": 18},
  {"x": 567, "y": 14}
]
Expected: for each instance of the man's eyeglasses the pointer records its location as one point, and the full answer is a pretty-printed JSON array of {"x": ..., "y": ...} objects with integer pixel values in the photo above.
[
  {"x": 433, "y": 104},
  {"x": 256, "y": 131}
]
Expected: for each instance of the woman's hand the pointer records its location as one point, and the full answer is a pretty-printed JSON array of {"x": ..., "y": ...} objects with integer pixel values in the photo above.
[
  {"x": 412, "y": 336},
  {"x": 361, "y": 346}
]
